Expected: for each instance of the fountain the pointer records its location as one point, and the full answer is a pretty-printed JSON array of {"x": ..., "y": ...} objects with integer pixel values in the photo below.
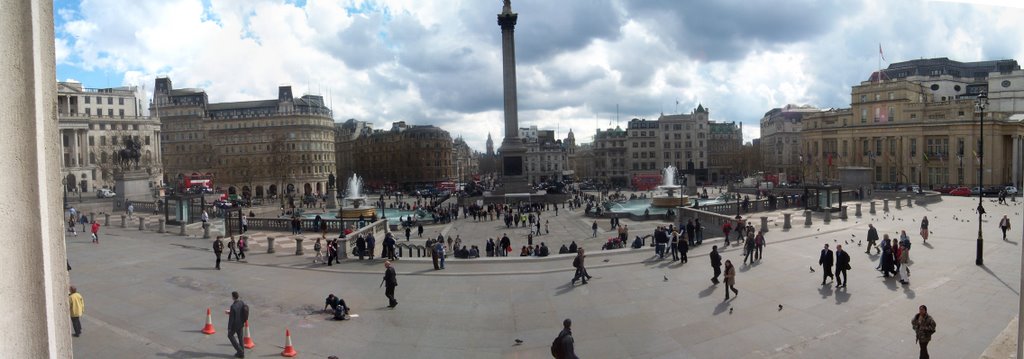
[
  {"x": 670, "y": 198},
  {"x": 354, "y": 204}
]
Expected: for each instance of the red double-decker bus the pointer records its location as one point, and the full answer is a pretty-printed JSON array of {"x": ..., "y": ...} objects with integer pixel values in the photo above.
[{"x": 646, "y": 181}]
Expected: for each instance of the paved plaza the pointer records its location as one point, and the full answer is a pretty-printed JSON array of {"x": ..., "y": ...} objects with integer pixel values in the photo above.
[{"x": 146, "y": 295}]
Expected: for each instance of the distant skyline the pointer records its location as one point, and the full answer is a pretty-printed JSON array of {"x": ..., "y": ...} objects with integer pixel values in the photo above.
[{"x": 438, "y": 62}]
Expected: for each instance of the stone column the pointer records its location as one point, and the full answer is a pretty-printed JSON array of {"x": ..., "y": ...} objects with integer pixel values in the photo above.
[
  {"x": 843, "y": 212},
  {"x": 857, "y": 211},
  {"x": 182, "y": 232},
  {"x": 270, "y": 244},
  {"x": 910, "y": 202},
  {"x": 124, "y": 221},
  {"x": 298, "y": 246},
  {"x": 35, "y": 282},
  {"x": 764, "y": 224},
  {"x": 206, "y": 231},
  {"x": 142, "y": 223},
  {"x": 343, "y": 248},
  {"x": 828, "y": 216},
  {"x": 885, "y": 205},
  {"x": 162, "y": 227},
  {"x": 106, "y": 219},
  {"x": 807, "y": 218},
  {"x": 872, "y": 210},
  {"x": 898, "y": 203},
  {"x": 786, "y": 222}
]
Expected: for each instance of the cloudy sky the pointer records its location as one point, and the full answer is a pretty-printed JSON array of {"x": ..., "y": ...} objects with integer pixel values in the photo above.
[{"x": 581, "y": 63}]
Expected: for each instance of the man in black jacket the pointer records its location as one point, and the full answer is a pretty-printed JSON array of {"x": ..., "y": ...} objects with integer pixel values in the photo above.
[
  {"x": 842, "y": 264},
  {"x": 567, "y": 347},
  {"x": 716, "y": 264},
  {"x": 218, "y": 248},
  {"x": 237, "y": 316},
  {"x": 825, "y": 260},
  {"x": 390, "y": 281},
  {"x": 872, "y": 238}
]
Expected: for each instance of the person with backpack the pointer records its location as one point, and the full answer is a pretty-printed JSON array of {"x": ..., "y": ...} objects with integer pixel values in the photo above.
[
  {"x": 563, "y": 347},
  {"x": 905, "y": 244},
  {"x": 581, "y": 270},
  {"x": 237, "y": 316}
]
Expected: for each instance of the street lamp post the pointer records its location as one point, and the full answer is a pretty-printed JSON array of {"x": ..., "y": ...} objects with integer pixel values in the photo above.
[{"x": 980, "y": 103}]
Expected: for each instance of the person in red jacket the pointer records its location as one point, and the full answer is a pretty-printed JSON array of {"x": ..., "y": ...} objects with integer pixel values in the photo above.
[
  {"x": 96, "y": 232},
  {"x": 726, "y": 228}
]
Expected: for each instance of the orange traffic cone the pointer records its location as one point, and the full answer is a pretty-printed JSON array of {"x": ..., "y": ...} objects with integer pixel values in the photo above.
[
  {"x": 289, "y": 351},
  {"x": 246, "y": 339},
  {"x": 208, "y": 329}
]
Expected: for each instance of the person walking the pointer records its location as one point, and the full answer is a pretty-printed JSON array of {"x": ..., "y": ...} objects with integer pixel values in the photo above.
[
  {"x": 924, "y": 327},
  {"x": 726, "y": 229},
  {"x": 872, "y": 238},
  {"x": 842, "y": 265},
  {"x": 95, "y": 232},
  {"x": 716, "y": 264},
  {"x": 77, "y": 306},
  {"x": 419, "y": 230},
  {"x": 131, "y": 209},
  {"x": 730, "y": 279},
  {"x": 673, "y": 246},
  {"x": 245, "y": 224},
  {"x": 408, "y": 232},
  {"x": 581, "y": 269},
  {"x": 888, "y": 261},
  {"x": 317, "y": 247},
  {"x": 390, "y": 281},
  {"x": 218, "y": 248},
  {"x": 924, "y": 228},
  {"x": 748, "y": 251},
  {"x": 758, "y": 245},
  {"x": 238, "y": 314},
  {"x": 683, "y": 248},
  {"x": 904, "y": 265},
  {"x": 691, "y": 236},
  {"x": 904, "y": 245},
  {"x": 699, "y": 230},
  {"x": 1004, "y": 225},
  {"x": 593, "y": 227},
  {"x": 563, "y": 346},
  {"x": 361, "y": 246},
  {"x": 826, "y": 261},
  {"x": 371, "y": 244},
  {"x": 332, "y": 252},
  {"x": 231, "y": 248},
  {"x": 389, "y": 247}
]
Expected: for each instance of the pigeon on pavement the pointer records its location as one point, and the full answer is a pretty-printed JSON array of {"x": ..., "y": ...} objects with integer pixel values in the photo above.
[{"x": 519, "y": 341}]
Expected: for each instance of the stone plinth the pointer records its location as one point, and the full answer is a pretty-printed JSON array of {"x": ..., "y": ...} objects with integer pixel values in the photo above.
[
  {"x": 270, "y": 244},
  {"x": 182, "y": 232},
  {"x": 206, "y": 230},
  {"x": 872, "y": 210},
  {"x": 142, "y": 224},
  {"x": 787, "y": 217},
  {"x": 343, "y": 248},
  {"x": 910, "y": 202},
  {"x": 857, "y": 210},
  {"x": 124, "y": 221},
  {"x": 106, "y": 219},
  {"x": 162, "y": 226},
  {"x": 132, "y": 185},
  {"x": 843, "y": 213},
  {"x": 764, "y": 224},
  {"x": 828, "y": 216},
  {"x": 332, "y": 199},
  {"x": 885, "y": 205},
  {"x": 298, "y": 245},
  {"x": 898, "y": 200},
  {"x": 807, "y": 218}
]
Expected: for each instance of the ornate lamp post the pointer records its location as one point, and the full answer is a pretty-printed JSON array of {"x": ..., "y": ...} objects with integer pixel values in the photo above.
[{"x": 980, "y": 104}]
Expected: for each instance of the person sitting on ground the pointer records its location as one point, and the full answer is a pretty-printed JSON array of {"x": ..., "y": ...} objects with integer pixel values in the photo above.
[
  {"x": 525, "y": 252},
  {"x": 463, "y": 252},
  {"x": 536, "y": 250},
  {"x": 543, "y": 250},
  {"x": 563, "y": 250},
  {"x": 338, "y": 307},
  {"x": 638, "y": 242},
  {"x": 474, "y": 252},
  {"x": 572, "y": 247}
]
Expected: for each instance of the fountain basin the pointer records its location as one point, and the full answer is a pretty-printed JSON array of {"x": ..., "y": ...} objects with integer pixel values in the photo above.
[
  {"x": 666, "y": 201},
  {"x": 355, "y": 207}
]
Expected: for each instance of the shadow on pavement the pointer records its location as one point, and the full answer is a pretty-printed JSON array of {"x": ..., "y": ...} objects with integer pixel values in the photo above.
[
  {"x": 199, "y": 268},
  {"x": 825, "y": 291},
  {"x": 842, "y": 296},
  {"x": 707, "y": 291},
  {"x": 993, "y": 274},
  {"x": 186, "y": 354},
  {"x": 721, "y": 307}
]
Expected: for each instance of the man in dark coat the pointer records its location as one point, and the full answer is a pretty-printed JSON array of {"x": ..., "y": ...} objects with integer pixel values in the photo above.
[
  {"x": 872, "y": 238},
  {"x": 360, "y": 246},
  {"x": 218, "y": 248},
  {"x": 390, "y": 282},
  {"x": 581, "y": 269},
  {"x": 842, "y": 265},
  {"x": 826, "y": 261},
  {"x": 237, "y": 316},
  {"x": 567, "y": 346},
  {"x": 716, "y": 264}
]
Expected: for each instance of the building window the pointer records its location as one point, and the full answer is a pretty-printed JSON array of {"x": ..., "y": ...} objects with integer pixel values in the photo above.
[
  {"x": 878, "y": 174},
  {"x": 99, "y": 100},
  {"x": 120, "y": 100},
  {"x": 120, "y": 112},
  {"x": 913, "y": 147},
  {"x": 892, "y": 147},
  {"x": 863, "y": 115},
  {"x": 110, "y": 112},
  {"x": 86, "y": 99}
]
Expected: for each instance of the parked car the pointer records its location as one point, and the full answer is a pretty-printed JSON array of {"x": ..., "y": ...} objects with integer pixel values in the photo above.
[
  {"x": 1011, "y": 190},
  {"x": 946, "y": 189},
  {"x": 992, "y": 191},
  {"x": 960, "y": 191},
  {"x": 105, "y": 193}
]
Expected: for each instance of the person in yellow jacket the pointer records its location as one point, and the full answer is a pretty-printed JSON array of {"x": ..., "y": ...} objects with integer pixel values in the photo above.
[{"x": 77, "y": 309}]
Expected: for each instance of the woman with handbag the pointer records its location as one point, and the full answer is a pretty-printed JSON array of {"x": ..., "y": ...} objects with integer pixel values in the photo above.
[{"x": 924, "y": 228}]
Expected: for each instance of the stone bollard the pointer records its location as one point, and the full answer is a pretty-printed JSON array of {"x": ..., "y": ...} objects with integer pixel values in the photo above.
[
  {"x": 270, "y": 244},
  {"x": 872, "y": 210},
  {"x": 807, "y": 218},
  {"x": 764, "y": 224},
  {"x": 885, "y": 205},
  {"x": 828, "y": 216},
  {"x": 92, "y": 217},
  {"x": 857, "y": 211},
  {"x": 843, "y": 212},
  {"x": 124, "y": 221},
  {"x": 910, "y": 202},
  {"x": 786, "y": 223},
  {"x": 106, "y": 219},
  {"x": 206, "y": 230},
  {"x": 298, "y": 246},
  {"x": 182, "y": 232},
  {"x": 162, "y": 226},
  {"x": 142, "y": 224},
  {"x": 898, "y": 203},
  {"x": 343, "y": 248}
]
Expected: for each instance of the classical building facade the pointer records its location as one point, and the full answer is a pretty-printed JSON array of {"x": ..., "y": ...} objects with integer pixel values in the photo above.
[
  {"x": 647, "y": 147},
  {"x": 263, "y": 148},
  {"x": 403, "y": 156},
  {"x": 916, "y": 122},
  {"x": 725, "y": 140},
  {"x": 345, "y": 136},
  {"x": 546, "y": 157},
  {"x": 465, "y": 160},
  {"x": 780, "y": 140},
  {"x": 93, "y": 125}
]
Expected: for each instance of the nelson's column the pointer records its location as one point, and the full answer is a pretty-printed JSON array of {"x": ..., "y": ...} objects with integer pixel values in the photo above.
[{"x": 512, "y": 148}]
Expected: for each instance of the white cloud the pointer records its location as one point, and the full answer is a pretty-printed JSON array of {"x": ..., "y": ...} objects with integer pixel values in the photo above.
[{"x": 439, "y": 61}]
